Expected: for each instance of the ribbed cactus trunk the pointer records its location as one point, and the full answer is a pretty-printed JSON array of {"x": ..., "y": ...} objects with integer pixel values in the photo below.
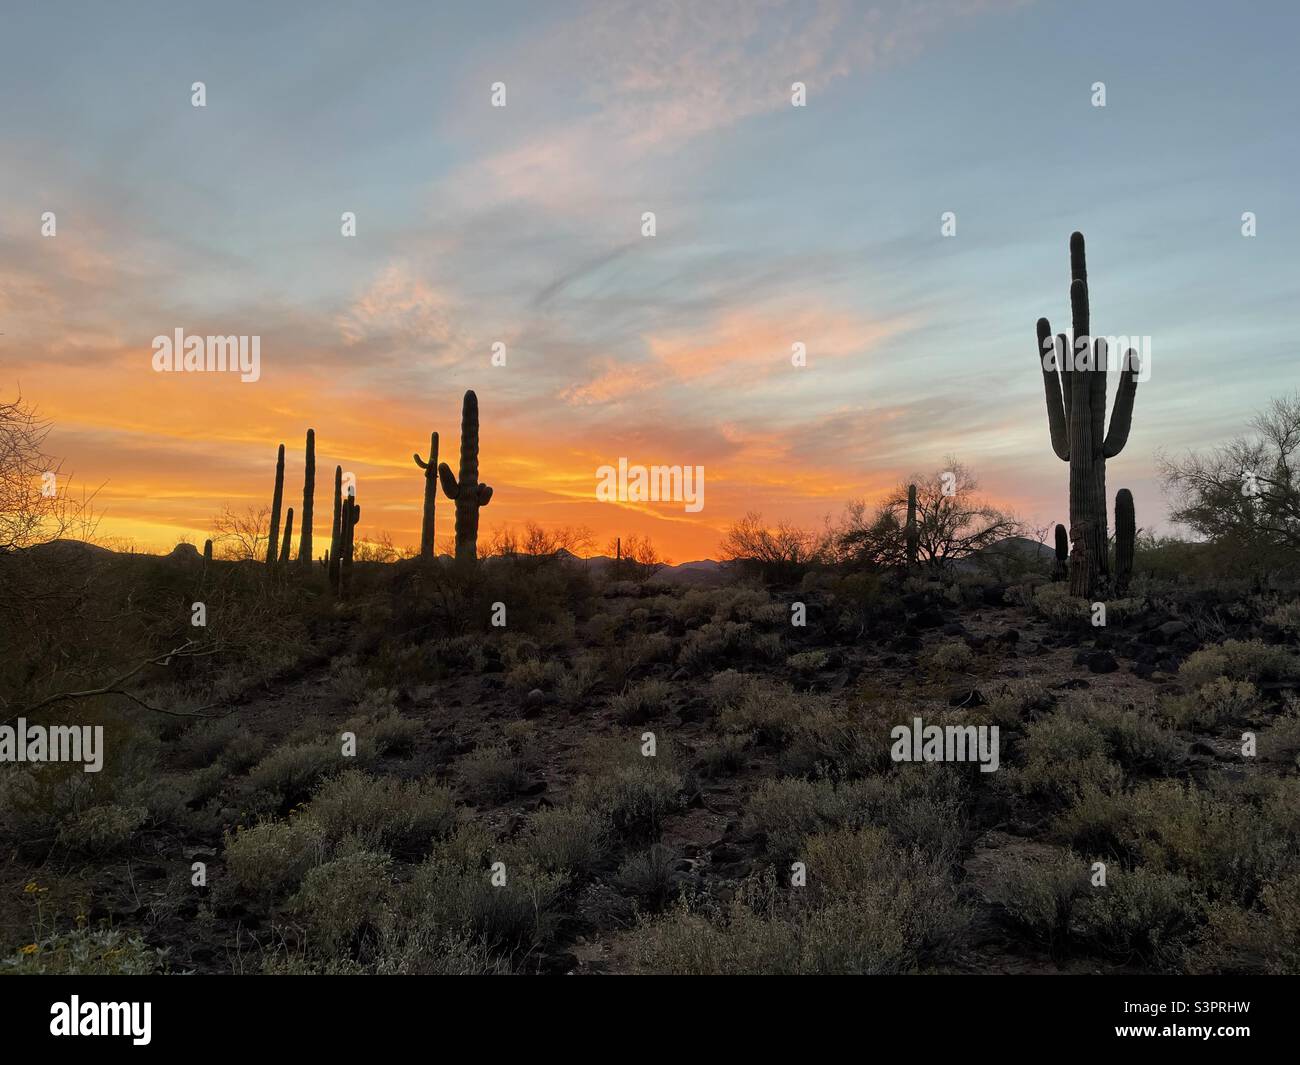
[
  {"x": 1061, "y": 566},
  {"x": 308, "y": 500},
  {"x": 336, "y": 529},
  {"x": 1125, "y": 539},
  {"x": 912, "y": 532},
  {"x": 273, "y": 535},
  {"x": 469, "y": 494},
  {"x": 288, "y": 538},
  {"x": 430, "y": 469},
  {"x": 1075, "y": 386},
  {"x": 351, "y": 515}
]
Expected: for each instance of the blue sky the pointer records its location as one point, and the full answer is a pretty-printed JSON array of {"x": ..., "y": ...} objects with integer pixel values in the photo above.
[{"x": 522, "y": 224}]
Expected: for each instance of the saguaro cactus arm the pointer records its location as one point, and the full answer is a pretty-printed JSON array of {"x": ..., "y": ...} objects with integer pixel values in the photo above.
[
  {"x": 1052, "y": 386},
  {"x": 1121, "y": 418},
  {"x": 484, "y": 495},
  {"x": 449, "y": 486}
]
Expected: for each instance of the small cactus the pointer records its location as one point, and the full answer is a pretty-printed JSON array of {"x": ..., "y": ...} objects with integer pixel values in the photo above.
[
  {"x": 308, "y": 500},
  {"x": 1125, "y": 538},
  {"x": 273, "y": 535},
  {"x": 1061, "y": 567},
  {"x": 470, "y": 495},
  {"x": 207, "y": 551},
  {"x": 913, "y": 534},
  {"x": 430, "y": 469},
  {"x": 351, "y": 515},
  {"x": 288, "y": 538}
]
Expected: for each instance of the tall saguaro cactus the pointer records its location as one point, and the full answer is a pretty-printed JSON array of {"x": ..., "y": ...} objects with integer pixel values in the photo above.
[
  {"x": 1125, "y": 538},
  {"x": 336, "y": 530},
  {"x": 466, "y": 489},
  {"x": 913, "y": 536},
  {"x": 1075, "y": 386},
  {"x": 273, "y": 536},
  {"x": 430, "y": 469},
  {"x": 308, "y": 500}
]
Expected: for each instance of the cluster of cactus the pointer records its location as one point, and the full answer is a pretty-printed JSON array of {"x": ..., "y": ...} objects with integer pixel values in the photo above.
[
  {"x": 277, "y": 549},
  {"x": 469, "y": 494},
  {"x": 1076, "y": 419}
]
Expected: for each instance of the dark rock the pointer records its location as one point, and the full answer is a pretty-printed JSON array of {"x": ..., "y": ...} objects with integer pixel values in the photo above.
[
  {"x": 1145, "y": 670},
  {"x": 1010, "y": 636},
  {"x": 954, "y": 628},
  {"x": 1171, "y": 629},
  {"x": 993, "y": 595},
  {"x": 1102, "y": 662},
  {"x": 966, "y": 697}
]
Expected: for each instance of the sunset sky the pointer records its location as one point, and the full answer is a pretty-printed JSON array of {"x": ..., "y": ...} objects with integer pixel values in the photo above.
[{"x": 775, "y": 225}]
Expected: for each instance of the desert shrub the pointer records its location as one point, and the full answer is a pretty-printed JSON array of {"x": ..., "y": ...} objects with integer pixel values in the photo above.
[
  {"x": 339, "y": 900},
  {"x": 274, "y": 856},
  {"x": 1145, "y": 912},
  {"x": 84, "y": 951},
  {"x": 205, "y": 741},
  {"x": 729, "y": 688},
  {"x": 714, "y": 642},
  {"x": 493, "y": 772},
  {"x": 347, "y": 679},
  {"x": 102, "y": 830},
  {"x": 807, "y": 662},
  {"x": 1242, "y": 660},
  {"x": 452, "y": 892},
  {"x": 787, "y": 810},
  {"x": 289, "y": 773},
  {"x": 530, "y": 673},
  {"x": 869, "y": 908},
  {"x": 1286, "y": 616},
  {"x": 647, "y": 875},
  {"x": 423, "y": 951},
  {"x": 1041, "y": 896},
  {"x": 1212, "y": 703},
  {"x": 1281, "y": 741},
  {"x": 641, "y": 702},
  {"x": 402, "y": 817},
  {"x": 567, "y": 839},
  {"x": 768, "y": 711},
  {"x": 1227, "y": 843},
  {"x": 832, "y": 740},
  {"x": 951, "y": 657},
  {"x": 1012, "y": 702},
  {"x": 576, "y": 684},
  {"x": 1064, "y": 756},
  {"x": 635, "y": 795},
  {"x": 723, "y": 756},
  {"x": 1055, "y": 603}
]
